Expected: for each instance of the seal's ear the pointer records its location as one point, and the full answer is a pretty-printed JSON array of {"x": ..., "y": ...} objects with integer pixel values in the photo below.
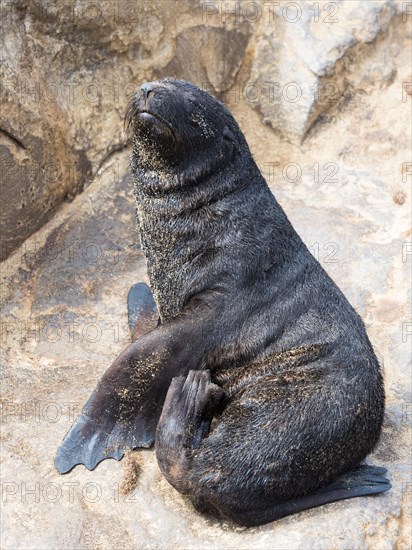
[{"x": 230, "y": 140}]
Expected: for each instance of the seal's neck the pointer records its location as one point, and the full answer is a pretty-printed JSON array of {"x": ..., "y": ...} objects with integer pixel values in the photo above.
[
  {"x": 178, "y": 225},
  {"x": 160, "y": 178},
  {"x": 164, "y": 194}
]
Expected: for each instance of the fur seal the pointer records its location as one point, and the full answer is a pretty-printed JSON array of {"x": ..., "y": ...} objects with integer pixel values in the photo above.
[{"x": 258, "y": 383}]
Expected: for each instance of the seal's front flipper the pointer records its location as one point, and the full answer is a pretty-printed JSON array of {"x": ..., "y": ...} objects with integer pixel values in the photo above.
[
  {"x": 92, "y": 440},
  {"x": 364, "y": 480},
  {"x": 141, "y": 310},
  {"x": 120, "y": 414},
  {"x": 123, "y": 411}
]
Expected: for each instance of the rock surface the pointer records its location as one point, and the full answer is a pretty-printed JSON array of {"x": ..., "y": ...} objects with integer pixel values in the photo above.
[
  {"x": 68, "y": 70},
  {"x": 307, "y": 59},
  {"x": 346, "y": 189}
]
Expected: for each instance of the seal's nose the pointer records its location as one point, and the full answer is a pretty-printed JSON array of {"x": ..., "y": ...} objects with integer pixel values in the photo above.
[{"x": 147, "y": 88}]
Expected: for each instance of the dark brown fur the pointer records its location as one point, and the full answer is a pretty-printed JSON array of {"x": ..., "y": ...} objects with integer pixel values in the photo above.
[{"x": 275, "y": 393}]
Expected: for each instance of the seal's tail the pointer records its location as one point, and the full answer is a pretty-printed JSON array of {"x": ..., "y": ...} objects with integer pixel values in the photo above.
[{"x": 362, "y": 481}]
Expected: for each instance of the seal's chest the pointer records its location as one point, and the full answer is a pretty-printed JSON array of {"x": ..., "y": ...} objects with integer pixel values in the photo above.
[
  {"x": 171, "y": 248},
  {"x": 166, "y": 272}
]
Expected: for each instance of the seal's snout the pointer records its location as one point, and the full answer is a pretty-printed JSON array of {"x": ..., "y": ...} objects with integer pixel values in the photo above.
[
  {"x": 146, "y": 114},
  {"x": 147, "y": 88}
]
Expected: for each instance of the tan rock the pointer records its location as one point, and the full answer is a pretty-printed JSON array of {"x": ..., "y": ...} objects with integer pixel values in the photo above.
[{"x": 346, "y": 189}]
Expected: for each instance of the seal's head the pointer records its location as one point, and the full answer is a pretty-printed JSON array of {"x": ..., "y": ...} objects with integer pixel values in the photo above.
[{"x": 178, "y": 127}]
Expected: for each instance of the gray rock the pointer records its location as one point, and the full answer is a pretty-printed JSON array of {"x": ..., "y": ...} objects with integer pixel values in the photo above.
[
  {"x": 63, "y": 67},
  {"x": 39, "y": 165},
  {"x": 68, "y": 71},
  {"x": 302, "y": 64},
  {"x": 209, "y": 57}
]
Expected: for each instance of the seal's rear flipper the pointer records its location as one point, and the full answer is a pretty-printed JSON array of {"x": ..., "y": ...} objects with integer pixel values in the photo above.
[
  {"x": 141, "y": 310},
  {"x": 364, "y": 480}
]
